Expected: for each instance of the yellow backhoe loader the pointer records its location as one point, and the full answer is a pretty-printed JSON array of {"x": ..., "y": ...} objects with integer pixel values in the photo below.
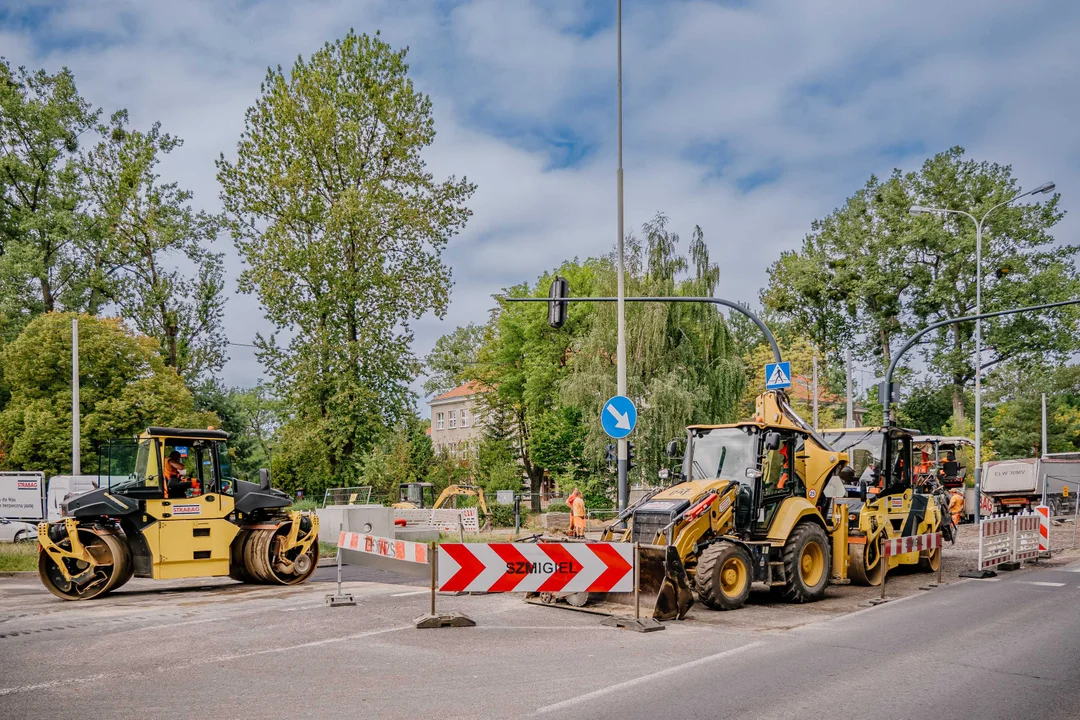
[
  {"x": 753, "y": 505},
  {"x": 883, "y": 503},
  {"x": 168, "y": 508},
  {"x": 416, "y": 495}
]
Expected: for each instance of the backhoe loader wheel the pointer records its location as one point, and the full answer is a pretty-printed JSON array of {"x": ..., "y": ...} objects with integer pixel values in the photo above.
[
  {"x": 806, "y": 564},
  {"x": 724, "y": 576},
  {"x": 112, "y": 567}
]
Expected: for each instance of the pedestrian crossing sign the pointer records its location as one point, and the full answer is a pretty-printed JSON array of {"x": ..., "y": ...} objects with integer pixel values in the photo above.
[{"x": 777, "y": 375}]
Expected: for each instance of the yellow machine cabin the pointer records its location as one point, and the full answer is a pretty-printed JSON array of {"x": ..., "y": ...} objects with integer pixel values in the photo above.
[{"x": 168, "y": 507}]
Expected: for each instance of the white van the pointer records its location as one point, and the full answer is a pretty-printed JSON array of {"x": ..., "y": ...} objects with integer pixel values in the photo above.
[{"x": 61, "y": 487}]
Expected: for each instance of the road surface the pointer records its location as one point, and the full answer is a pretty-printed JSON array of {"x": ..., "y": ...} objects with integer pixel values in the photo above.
[{"x": 199, "y": 649}]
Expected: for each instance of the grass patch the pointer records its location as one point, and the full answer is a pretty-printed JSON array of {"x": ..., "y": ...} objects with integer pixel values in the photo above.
[
  {"x": 15, "y": 557},
  {"x": 327, "y": 549}
]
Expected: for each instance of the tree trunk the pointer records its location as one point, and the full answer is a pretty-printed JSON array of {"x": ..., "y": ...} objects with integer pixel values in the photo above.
[
  {"x": 958, "y": 399},
  {"x": 46, "y": 294}
]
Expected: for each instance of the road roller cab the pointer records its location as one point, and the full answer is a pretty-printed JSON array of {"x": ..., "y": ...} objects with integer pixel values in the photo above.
[{"x": 168, "y": 507}]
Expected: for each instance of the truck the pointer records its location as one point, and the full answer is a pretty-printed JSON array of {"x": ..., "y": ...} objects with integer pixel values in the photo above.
[{"x": 1017, "y": 485}]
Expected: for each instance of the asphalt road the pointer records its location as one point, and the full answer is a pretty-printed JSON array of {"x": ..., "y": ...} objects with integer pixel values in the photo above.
[{"x": 977, "y": 649}]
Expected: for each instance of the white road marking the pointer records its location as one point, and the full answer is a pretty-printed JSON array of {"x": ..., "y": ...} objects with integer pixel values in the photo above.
[
  {"x": 411, "y": 592},
  {"x": 201, "y": 661},
  {"x": 1040, "y": 583},
  {"x": 643, "y": 679}
]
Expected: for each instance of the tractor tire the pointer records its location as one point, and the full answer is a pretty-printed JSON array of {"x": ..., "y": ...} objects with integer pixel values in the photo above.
[
  {"x": 806, "y": 564},
  {"x": 724, "y": 574}
]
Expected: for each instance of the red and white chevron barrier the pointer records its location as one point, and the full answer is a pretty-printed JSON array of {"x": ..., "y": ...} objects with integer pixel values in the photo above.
[
  {"x": 913, "y": 543},
  {"x": 1044, "y": 527},
  {"x": 536, "y": 567},
  {"x": 386, "y": 547}
]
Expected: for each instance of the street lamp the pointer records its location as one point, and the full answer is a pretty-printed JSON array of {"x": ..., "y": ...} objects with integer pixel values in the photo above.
[{"x": 979, "y": 222}]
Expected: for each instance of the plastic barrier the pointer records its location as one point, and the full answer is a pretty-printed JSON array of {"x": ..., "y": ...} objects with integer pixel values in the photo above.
[
  {"x": 1044, "y": 528},
  {"x": 902, "y": 545},
  {"x": 1026, "y": 537},
  {"x": 995, "y": 541}
]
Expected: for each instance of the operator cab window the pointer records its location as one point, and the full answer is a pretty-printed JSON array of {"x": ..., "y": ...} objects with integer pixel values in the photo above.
[{"x": 189, "y": 467}]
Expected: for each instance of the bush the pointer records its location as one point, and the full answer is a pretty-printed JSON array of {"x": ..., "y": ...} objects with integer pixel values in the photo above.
[
  {"x": 501, "y": 515},
  {"x": 558, "y": 507}
]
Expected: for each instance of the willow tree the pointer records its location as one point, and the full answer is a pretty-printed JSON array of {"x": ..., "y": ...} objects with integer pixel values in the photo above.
[
  {"x": 683, "y": 365},
  {"x": 342, "y": 227}
]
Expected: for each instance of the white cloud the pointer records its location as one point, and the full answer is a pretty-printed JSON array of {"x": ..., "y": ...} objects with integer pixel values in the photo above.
[{"x": 823, "y": 93}]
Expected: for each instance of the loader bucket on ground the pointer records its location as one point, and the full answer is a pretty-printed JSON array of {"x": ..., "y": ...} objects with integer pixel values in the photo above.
[{"x": 665, "y": 592}]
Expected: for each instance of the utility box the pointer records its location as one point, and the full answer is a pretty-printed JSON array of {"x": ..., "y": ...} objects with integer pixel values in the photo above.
[{"x": 504, "y": 497}]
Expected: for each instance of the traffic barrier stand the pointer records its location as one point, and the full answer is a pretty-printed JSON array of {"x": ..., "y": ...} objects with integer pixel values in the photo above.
[
  {"x": 636, "y": 623},
  {"x": 995, "y": 546},
  {"x": 556, "y": 568},
  {"x": 340, "y": 599},
  {"x": 1026, "y": 537},
  {"x": 902, "y": 546},
  {"x": 1044, "y": 530},
  {"x": 434, "y": 619}
]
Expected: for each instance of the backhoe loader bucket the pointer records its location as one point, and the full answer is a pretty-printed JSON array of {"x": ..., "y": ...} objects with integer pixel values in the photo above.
[{"x": 664, "y": 590}]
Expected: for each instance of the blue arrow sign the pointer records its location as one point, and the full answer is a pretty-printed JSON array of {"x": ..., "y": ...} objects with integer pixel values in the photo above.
[
  {"x": 777, "y": 375},
  {"x": 618, "y": 417}
]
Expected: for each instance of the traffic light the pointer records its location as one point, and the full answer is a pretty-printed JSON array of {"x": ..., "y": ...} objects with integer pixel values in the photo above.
[
  {"x": 630, "y": 456},
  {"x": 560, "y": 288},
  {"x": 611, "y": 453}
]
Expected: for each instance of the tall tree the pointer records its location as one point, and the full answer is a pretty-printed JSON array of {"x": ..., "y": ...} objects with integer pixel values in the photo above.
[
  {"x": 146, "y": 227},
  {"x": 448, "y": 362},
  {"x": 125, "y": 387},
  {"x": 42, "y": 117},
  {"x": 342, "y": 226}
]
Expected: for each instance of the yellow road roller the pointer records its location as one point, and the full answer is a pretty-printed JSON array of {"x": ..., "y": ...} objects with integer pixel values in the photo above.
[{"x": 168, "y": 508}]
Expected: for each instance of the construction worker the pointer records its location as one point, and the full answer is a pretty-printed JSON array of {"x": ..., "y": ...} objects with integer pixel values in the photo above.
[
  {"x": 956, "y": 505},
  {"x": 176, "y": 485},
  {"x": 923, "y": 469},
  {"x": 577, "y": 513}
]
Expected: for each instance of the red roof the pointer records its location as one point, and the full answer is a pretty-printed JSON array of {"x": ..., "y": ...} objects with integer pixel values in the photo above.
[{"x": 470, "y": 388}]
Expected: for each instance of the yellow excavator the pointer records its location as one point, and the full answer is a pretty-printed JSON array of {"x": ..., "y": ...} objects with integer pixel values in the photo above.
[
  {"x": 883, "y": 503},
  {"x": 755, "y": 504},
  {"x": 167, "y": 507},
  {"x": 418, "y": 495}
]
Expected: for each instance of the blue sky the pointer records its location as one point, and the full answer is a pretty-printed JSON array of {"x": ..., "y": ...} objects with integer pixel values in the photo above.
[{"x": 748, "y": 118}]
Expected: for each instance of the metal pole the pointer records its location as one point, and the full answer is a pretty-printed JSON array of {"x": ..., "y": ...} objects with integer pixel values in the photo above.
[
  {"x": 850, "y": 421},
  {"x": 1044, "y": 427},
  {"x": 340, "y": 528},
  {"x": 637, "y": 583},
  {"x": 815, "y": 392},
  {"x": 433, "y": 553},
  {"x": 76, "y": 431},
  {"x": 978, "y": 367},
  {"x": 884, "y": 562},
  {"x": 620, "y": 353}
]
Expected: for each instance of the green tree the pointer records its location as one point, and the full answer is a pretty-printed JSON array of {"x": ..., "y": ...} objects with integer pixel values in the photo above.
[
  {"x": 42, "y": 267},
  {"x": 124, "y": 388},
  {"x": 342, "y": 226},
  {"x": 251, "y": 417},
  {"x": 145, "y": 225},
  {"x": 448, "y": 362}
]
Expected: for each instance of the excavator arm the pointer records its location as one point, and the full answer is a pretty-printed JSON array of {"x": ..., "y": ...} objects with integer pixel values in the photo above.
[{"x": 467, "y": 490}]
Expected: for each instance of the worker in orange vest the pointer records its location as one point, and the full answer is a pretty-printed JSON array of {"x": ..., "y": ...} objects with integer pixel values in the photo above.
[
  {"x": 922, "y": 470},
  {"x": 956, "y": 505},
  {"x": 577, "y": 513}
]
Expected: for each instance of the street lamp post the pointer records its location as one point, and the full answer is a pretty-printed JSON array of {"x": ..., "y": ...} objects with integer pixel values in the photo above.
[{"x": 979, "y": 222}]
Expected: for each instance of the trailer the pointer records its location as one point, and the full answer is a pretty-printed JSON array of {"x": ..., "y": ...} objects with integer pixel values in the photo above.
[{"x": 1013, "y": 486}]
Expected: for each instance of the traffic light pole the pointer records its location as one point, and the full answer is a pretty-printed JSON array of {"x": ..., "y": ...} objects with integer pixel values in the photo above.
[{"x": 554, "y": 298}]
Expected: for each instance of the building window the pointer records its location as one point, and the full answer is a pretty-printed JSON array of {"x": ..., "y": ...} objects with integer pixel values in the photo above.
[
  {"x": 441, "y": 421},
  {"x": 464, "y": 418},
  {"x": 453, "y": 419}
]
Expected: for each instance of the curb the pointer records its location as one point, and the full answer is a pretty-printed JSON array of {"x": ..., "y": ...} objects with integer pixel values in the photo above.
[{"x": 18, "y": 573}]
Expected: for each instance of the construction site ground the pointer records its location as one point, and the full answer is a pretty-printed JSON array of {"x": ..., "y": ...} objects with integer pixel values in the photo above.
[{"x": 216, "y": 648}]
